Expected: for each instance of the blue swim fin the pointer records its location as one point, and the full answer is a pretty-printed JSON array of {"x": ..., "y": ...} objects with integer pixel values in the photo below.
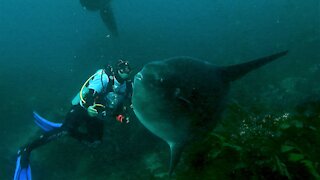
[
  {"x": 44, "y": 124},
  {"x": 23, "y": 169}
]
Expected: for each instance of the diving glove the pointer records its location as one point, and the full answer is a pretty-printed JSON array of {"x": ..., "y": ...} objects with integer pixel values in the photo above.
[{"x": 92, "y": 112}]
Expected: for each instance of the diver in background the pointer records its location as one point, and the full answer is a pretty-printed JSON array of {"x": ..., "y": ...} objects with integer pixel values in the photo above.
[
  {"x": 107, "y": 93},
  {"x": 106, "y": 13}
]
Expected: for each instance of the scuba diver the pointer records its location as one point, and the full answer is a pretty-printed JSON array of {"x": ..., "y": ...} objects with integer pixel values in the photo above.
[
  {"x": 106, "y": 94},
  {"x": 106, "y": 13}
]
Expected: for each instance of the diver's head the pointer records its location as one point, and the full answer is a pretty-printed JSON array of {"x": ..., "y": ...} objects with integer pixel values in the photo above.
[{"x": 123, "y": 69}]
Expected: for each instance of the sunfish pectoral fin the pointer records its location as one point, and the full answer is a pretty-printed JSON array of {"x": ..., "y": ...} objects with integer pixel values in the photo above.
[
  {"x": 175, "y": 153},
  {"x": 235, "y": 72},
  {"x": 108, "y": 18}
]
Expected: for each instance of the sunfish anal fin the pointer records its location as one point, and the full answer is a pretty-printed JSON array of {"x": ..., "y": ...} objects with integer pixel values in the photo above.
[{"x": 175, "y": 153}]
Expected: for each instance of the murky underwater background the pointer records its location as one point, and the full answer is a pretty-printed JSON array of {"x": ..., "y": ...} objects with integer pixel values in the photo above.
[{"x": 270, "y": 129}]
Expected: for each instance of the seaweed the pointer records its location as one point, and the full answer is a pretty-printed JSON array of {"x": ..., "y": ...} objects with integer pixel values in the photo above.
[{"x": 281, "y": 145}]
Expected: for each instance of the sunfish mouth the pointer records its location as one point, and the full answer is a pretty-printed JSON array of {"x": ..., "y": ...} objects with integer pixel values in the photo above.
[{"x": 138, "y": 77}]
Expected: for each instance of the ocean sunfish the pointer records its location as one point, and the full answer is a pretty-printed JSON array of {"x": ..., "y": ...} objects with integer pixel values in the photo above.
[
  {"x": 181, "y": 99},
  {"x": 106, "y": 13}
]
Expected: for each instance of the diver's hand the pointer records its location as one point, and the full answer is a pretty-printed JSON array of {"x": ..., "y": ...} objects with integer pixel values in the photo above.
[{"x": 92, "y": 112}]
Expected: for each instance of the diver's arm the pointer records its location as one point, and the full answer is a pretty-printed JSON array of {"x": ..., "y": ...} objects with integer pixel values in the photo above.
[
  {"x": 90, "y": 103},
  {"x": 129, "y": 91},
  {"x": 124, "y": 108},
  {"x": 96, "y": 85},
  {"x": 90, "y": 96}
]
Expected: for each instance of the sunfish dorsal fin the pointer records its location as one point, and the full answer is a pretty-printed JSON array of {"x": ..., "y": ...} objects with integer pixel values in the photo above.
[
  {"x": 107, "y": 15},
  {"x": 235, "y": 72},
  {"x": 175, "y": 153}
]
